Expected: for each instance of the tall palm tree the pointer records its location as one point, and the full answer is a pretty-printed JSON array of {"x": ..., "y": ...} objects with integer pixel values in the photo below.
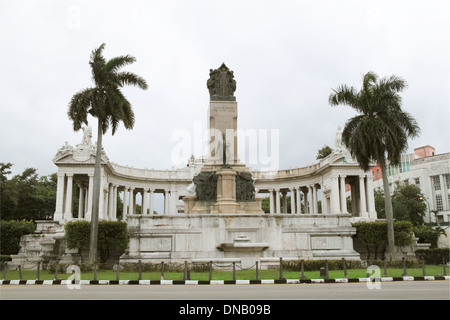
[
  {"x": 380, "y": 131},
  {"x": 106, "y": 102}
]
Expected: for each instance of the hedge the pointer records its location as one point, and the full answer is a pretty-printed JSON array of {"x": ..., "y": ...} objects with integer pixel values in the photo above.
[
  {"x": 10, "y": 233},
  {"x": 374, "y": 234},
  {"x": 112, "y": 235},
  {"x": 433, "y": 255}
]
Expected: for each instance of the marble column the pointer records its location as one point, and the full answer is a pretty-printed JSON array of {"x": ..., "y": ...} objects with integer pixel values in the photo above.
[
  {"x": 306, "y": 200},
  {"x": 152, "y": 201},
  {"x": 125, "y": 203},
  {"x": 114, "y": 212},
  {"x": 110, "y": 202},
  {"x": 131, "y": 201},
  {"x": 145, "y": 201},
  {"x": 311, "y": 199},
  {"x": 315, "y": 201},
  {"x": 343, "y": 198},
  {"x": 298, "y": 202},
  {"x": 69, "y": 197},
  {"x": 59, "y": 208},
  {"x": 173, "y": 202},
  {"x": 292, "y": 200},
  {"x": 334, "y": 196},
  {"x": 278, "y": 202},
  {"x": 166, "y": 202},
  {"x": 81, "y": 204},
  {"x": 362, "y": 198},
  {"x": 371, "y": 198},
  {"x": 271, "y": 204}
]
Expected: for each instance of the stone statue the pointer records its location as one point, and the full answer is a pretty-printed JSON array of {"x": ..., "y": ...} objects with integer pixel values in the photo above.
[
  {"x": 338, "y": 140},
  {"x": 245, "y": 189},
  {"x": 206, "y": 186},
  {"x": 87, "y": 135},
  {"x": 221, "y": 84}
]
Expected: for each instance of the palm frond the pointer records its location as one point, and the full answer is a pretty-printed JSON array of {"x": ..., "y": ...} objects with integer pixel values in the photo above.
[
  {"x": 129, "y": 78},
  {"x": 79, "y": 107}
]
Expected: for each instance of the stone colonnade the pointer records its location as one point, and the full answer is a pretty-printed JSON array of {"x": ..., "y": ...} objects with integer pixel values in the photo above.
[
  {"x": 333, "y": 196},
  {"x": 67, "y": 182},
  {"x": 304, "y": 198}
]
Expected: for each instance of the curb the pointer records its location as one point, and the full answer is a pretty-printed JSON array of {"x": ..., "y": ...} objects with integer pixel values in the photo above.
[{"x": 218, "y": 282}]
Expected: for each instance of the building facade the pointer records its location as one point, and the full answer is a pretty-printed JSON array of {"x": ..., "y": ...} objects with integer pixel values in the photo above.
[{"x": 430, "y": 172}]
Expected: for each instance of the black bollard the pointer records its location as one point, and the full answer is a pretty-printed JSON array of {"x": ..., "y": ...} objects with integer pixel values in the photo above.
[
  {"x": 38, "y": 275},
  {"x": 234, "y": 271},
  {"x": 257, "y": 272},
  {"x": 423, "y": 268},
  {"x": 281, "y": 268},
  {"x": 56, "y": 271},
  {"x": 445, "y": 269},
  {"x": 302, "y": 270},
  {"x": 210, "y": 270},
  {"x": 118, "y": 270},
  {"x": 185, "y": 276},
  {"x": 162, "y": 270},
  {"x": 20, "y": 271},
  {"x": 344, "y": 267},
  {"x": 140, "y": 270}
]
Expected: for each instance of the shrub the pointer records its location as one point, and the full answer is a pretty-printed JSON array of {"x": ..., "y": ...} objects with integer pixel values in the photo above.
[
  {"x": 433, "y": 255},
  {"x": 374, "y": 234},
  {"x": 112, "y": 235},
  {"x": 10, "y": 233},
  {"x": 427, "y": 234}
]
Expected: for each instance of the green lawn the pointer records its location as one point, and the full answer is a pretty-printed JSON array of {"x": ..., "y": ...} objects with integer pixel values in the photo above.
[{"x": 431, "y": 270}]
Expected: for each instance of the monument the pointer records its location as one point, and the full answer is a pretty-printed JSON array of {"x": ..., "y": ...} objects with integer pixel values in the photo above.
[
  {"x": 211, "y": 209},
  {"x": 224, "y": 185}
]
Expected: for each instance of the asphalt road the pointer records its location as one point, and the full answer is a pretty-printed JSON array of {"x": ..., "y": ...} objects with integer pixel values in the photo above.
[{"x": 417, "y": 290}]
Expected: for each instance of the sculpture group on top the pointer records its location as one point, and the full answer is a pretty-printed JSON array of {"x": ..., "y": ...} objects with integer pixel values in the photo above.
[{"x": 221, "y": 84}]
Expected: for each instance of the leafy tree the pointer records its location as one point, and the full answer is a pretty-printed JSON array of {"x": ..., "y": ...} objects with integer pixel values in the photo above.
[
  {"x": 324, "y": 152},
  {"x": 408, "y": 204},
  {"x": 106, "y": 102},
  {"x": 380, "y": 131},
  {"x": 26, "y": 195}
]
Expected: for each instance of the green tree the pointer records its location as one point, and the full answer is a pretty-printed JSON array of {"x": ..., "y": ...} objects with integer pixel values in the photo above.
[
  {"x": 7, "y": 197},
  {"x": 380, "y": 131},
  {"x": 324, "y": 152},
  {"x": 106, "y": 102},
  {"x": 26, "y": 195},
  {"x": 408, "y": 204}
]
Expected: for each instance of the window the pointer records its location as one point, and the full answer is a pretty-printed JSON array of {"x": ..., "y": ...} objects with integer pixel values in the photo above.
[
  {"x": 439, "y": 203},
  {"x": 436, "y": 183}
]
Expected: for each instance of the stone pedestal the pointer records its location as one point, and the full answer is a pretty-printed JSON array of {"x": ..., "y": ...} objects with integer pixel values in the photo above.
[{"x": 226, "y": 192}]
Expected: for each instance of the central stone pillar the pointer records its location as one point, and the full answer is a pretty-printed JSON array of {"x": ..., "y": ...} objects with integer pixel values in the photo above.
[
  {"x": 226, "y": 192},
  {"x": 222, "y": 116}
]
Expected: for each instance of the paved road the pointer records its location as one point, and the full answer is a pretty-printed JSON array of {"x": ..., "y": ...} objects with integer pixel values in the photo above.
[{"x": 388, "y": 290}]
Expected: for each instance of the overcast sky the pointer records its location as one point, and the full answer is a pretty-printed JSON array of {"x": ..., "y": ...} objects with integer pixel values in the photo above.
[{"x": 287, "y": 56}]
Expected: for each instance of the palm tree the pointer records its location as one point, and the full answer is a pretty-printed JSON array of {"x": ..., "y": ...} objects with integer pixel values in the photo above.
[
  {"x": 380, "y": 131},
  {"x": 106, "y": 102}
]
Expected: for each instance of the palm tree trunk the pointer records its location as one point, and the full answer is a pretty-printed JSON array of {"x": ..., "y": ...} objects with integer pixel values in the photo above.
[
  {"x": 388, "y": 210},
  {"x": 96, "y": 196}
]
